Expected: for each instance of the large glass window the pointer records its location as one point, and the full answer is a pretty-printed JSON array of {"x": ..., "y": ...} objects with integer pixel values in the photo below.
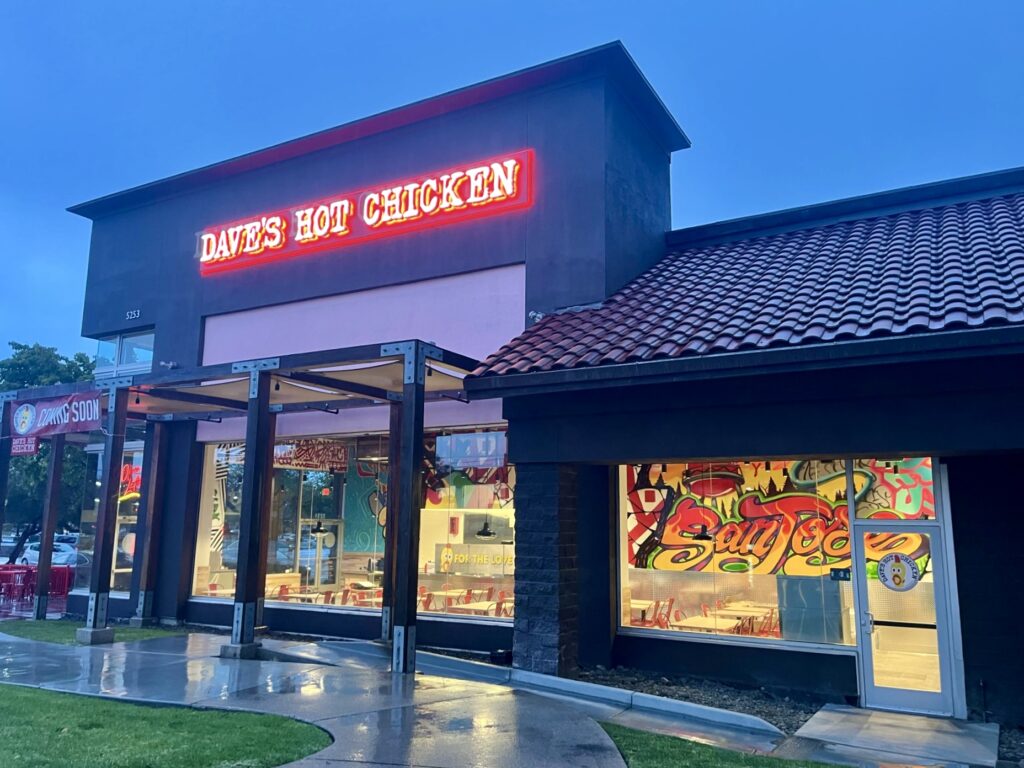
[
  {"x": 757, "y": 548},
  {"x": 328, "y": 509},
  {"x": 467, "y": 527},
  {"x": 326, "y": 530},
  {"x": 742, "y": 548},
  {"x": 128, "y": 500}
]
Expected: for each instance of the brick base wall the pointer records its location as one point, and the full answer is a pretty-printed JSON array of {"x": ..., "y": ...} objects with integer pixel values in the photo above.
[{"x": 546, "y": 629}]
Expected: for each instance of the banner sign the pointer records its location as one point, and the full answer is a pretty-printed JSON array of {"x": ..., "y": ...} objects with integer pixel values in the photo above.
[
  {"x": 24, "y": 446},
  {"x": 323, "y": 455},
  {"x": 79, "y": 412},
  {"x": 469, "y": 191}
]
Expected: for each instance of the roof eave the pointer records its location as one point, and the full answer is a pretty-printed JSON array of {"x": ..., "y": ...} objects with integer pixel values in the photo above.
[{"x": 949, "y": 345}]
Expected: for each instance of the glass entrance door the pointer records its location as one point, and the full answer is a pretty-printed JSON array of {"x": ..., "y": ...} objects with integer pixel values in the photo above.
[{"x": 904, "y": 627}]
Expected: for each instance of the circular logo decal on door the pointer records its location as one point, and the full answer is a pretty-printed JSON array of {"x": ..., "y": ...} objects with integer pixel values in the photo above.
[
  {"x": 24, "y": 418},
  {"x": 898, "y": 572}
]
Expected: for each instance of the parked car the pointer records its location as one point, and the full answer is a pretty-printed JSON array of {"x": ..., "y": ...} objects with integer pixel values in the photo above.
[{"x": 63, "y": 554}]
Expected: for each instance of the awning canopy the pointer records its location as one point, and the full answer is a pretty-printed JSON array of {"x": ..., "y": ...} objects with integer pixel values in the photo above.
[{"x": 328, "y": 380}]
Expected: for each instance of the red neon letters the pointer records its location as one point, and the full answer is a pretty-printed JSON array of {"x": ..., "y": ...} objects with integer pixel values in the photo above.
[{"x": 474, "y": 190}]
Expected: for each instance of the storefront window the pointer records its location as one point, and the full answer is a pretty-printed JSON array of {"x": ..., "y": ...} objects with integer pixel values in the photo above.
[
  {"x": 325, "y": 542},
  {"x": 759, "y": 548},
  {"x": 467, "y": 527},
  {"x": 128, "y": 501},
  {"x": 752, "y": 548}
]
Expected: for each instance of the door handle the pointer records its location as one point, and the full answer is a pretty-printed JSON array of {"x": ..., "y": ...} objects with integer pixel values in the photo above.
[{"x": 867, "y": 623}]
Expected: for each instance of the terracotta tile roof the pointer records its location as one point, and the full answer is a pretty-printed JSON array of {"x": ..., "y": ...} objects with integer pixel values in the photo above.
[{"x": 955, "y": 266}]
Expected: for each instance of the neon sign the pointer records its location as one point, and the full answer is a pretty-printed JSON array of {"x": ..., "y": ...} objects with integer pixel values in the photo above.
[{"x": 474, "y": 190}]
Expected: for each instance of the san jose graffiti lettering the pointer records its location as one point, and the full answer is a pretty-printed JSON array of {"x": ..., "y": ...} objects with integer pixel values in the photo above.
[{"x": 787, "y": 518}]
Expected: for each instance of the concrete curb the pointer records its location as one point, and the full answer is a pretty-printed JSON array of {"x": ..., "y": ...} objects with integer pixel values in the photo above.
[
  {"x": 646, "y": 701},
  {"x": 603, "y": 693},
  {"x": 600, "y": 693},
  {"x": 437, "y": 664}
]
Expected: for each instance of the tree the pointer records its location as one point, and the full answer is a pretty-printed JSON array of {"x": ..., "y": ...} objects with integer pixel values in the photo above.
[
  {"x": 37, "y": 366},
  {"x": 34, "y": 366}
]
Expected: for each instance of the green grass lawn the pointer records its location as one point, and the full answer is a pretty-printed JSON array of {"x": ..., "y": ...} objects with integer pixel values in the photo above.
[
  {"x": 62, "y": 631},
  {"x": 43, "y": 729},
  {"x": 652, "y": 750}
]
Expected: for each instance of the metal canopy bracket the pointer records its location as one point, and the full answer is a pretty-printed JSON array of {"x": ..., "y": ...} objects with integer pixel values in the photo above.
[
  {"x": 119, "y": 383},
  {"x": 415, "y": 355},
  {"x": 264, "y": 364}
]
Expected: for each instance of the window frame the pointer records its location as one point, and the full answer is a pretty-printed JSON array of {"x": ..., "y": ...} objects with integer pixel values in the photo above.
[{"x": 119, "y": 368}]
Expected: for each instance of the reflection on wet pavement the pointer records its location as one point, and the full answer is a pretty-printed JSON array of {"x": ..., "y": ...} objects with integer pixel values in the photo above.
[{"x": 374, "y": 716}]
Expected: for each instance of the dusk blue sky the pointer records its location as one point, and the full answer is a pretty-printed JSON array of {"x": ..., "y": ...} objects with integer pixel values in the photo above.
[{"x": 787, "y": 103}]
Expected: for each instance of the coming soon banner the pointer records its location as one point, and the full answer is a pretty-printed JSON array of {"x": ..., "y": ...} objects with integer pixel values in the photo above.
[{"x": 33, "y": 419}]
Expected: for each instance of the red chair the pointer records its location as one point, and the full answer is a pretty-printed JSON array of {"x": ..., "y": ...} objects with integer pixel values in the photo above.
[
  {"x": 211, "y": 589},
  {"x": 468, "y": 597},
  {"x": 489, "y": 594},
  {"x": 648, "y": 618},
  {"x": 328, "y": 597},
  {"x": 282, "y": 592},
  {"x": 427, "y": 602},
  {"x": 661, "y": 617}
]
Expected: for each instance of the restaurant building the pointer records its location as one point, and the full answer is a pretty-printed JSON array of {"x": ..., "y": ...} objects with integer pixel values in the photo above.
[{"x": 774, "y": 451}]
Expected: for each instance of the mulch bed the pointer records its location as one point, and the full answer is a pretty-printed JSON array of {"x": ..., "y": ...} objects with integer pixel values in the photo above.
[{"x": 785, "y": 711}]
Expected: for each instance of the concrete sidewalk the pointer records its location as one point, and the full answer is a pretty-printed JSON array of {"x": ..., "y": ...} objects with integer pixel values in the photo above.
[
  {"x": 450, "y": 715},
  {"x": 375, "y": 718}
]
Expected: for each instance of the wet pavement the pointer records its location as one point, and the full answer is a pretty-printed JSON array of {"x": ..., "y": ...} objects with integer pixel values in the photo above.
[
  {"x": 450, "y": 715},
  {"x": 376, "y": 718}
]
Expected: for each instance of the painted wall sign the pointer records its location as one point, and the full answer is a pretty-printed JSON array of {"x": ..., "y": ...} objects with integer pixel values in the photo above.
[
  {"x": 79, "y": 412},
  {"x": 898, "y": 572},
  {"x": 473, "y": 190}
]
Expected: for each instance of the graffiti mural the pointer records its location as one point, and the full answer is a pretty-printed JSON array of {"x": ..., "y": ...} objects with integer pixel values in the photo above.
[
  {"x": 447, "y": 485},
  {"x": 768, "y": 517},
  {"x": 366, "y": 501},
  {"x": 451, "y": 484}
]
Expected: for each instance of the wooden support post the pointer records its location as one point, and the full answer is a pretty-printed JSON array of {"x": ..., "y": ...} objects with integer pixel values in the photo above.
[
  {"x": 394, "y": 470},
  {"x": 154, "y": 464},
  {"x": 410, "y": 499},
  {"x": 96, "y": 630},
  {"x": 51, "y": 511},
  {"x": 257, "y": 477}
]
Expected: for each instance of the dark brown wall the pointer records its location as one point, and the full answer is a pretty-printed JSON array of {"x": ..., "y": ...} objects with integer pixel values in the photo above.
[{"x": 986, "y": 517}]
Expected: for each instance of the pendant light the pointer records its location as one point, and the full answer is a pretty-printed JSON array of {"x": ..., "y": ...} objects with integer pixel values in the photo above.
[
  {"x": 486, "y": 532},
  {"x": 703, "y": 535}
]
